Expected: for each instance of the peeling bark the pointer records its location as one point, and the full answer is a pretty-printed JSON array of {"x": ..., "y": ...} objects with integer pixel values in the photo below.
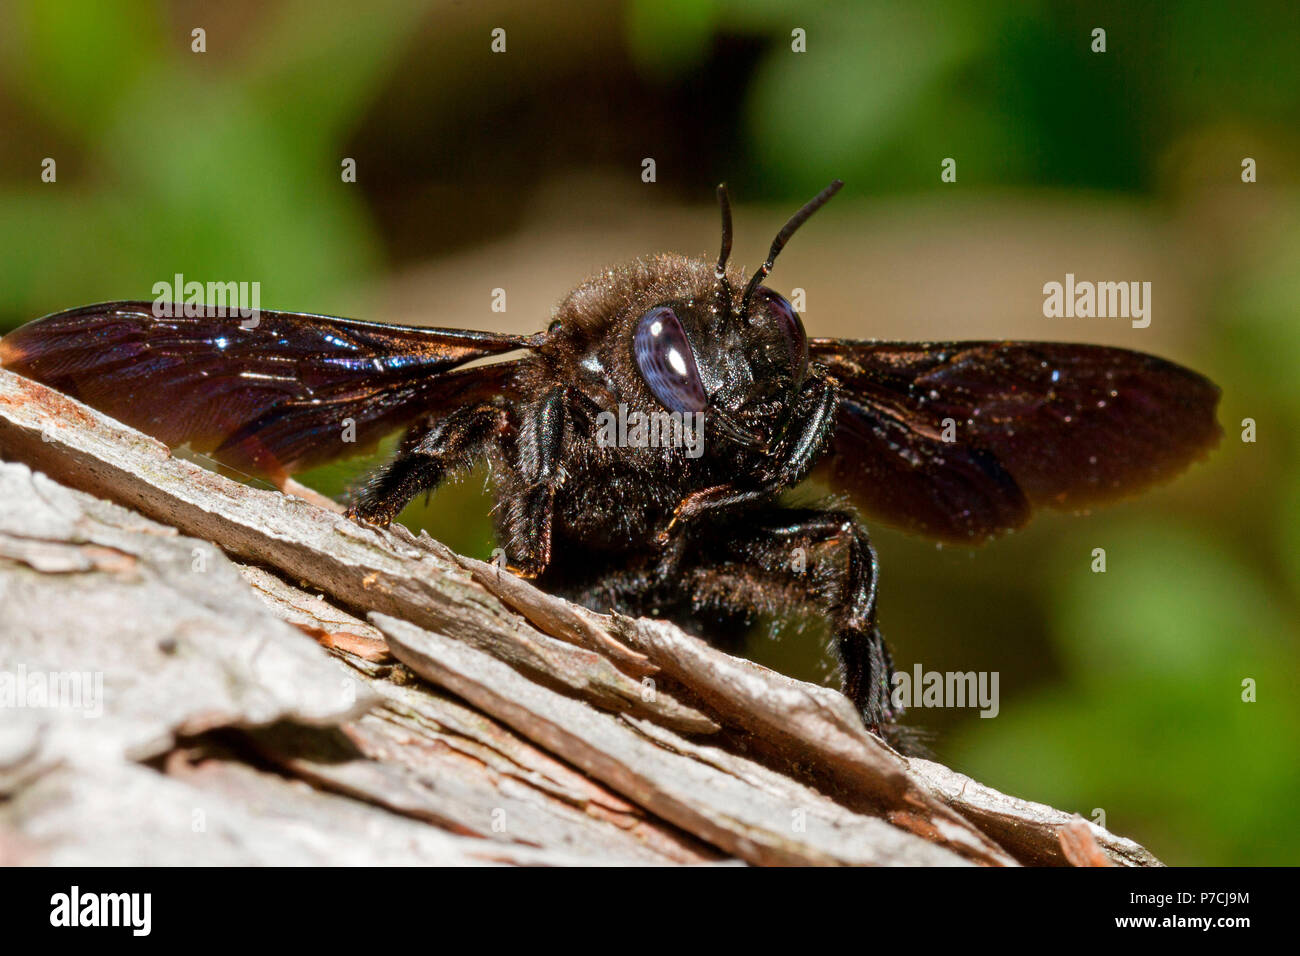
[{"x": 266, "y": 661}]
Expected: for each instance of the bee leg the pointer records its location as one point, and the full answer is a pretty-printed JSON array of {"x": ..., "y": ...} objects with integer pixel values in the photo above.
[
  {"x": 525, "y": 527},
  {"x": 425, "y": 458},
  {"x": 774, "y": 560},
  {"x": 790, "y": 458}
]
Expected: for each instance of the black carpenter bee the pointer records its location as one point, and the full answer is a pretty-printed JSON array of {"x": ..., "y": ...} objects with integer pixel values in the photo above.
[{"x": 955, "y": 440}]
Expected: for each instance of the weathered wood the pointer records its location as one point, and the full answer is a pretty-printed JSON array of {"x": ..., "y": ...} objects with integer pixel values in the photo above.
[
  {"x": 221, "y": 812},
  {"x": 591, "y": 737},
  {"x": 159, "y": 633},
  {"x": 1035, "y": 832},
  {"x": 185, "y": 650},
  {"x": 715, "y": 798}
]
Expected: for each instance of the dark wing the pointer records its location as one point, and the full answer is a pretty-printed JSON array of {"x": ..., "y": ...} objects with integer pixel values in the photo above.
[
  {"x": 1033, "y": 424},
  {"x": 273, "y": 398}
]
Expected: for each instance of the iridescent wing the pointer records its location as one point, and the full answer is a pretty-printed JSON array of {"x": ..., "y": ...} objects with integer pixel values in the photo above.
[
  {"x": 286, "y": 393},
  {"x": 960, "y": 441}
]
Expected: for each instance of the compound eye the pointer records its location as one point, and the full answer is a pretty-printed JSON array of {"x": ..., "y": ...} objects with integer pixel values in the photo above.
[
  {"x": 664, "y": 357},
  {"x": 791, "y": 327}
]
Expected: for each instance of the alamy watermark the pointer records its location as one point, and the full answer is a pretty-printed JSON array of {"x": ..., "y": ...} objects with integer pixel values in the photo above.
[
  {"x": 636, "y": 429},
  {"x": 921, "y": 689},
  {"x": 1102, "y": 300},
  {"x": 181, "y": 299},
  {"x": 133, "y": 911},
  {"x": 55, "y": 690}
]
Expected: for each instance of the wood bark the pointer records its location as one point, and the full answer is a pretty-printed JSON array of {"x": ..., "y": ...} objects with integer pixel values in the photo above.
[{"x": 281, "y": 685}]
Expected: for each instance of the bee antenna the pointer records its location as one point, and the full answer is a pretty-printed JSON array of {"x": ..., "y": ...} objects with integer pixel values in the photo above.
[
  {"x": 724, "y": 204},
  {"x": 782, "y": 237},
  {"x": 724, "y": 288}
]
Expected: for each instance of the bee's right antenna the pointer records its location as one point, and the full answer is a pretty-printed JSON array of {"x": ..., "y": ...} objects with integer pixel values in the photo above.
[
  {"x": 724, "y": 204},
  {"x": 782, "y": 237},
  {"x": 724, "y": 287}
]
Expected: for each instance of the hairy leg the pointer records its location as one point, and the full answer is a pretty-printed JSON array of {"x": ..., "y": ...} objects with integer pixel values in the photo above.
[
  {"x": 771, "y": 560},
  {"x": 526, "y": 525},
  {"x": 794, "y": 454},
  {"x": 821, "y": 562},
  {"x": 426, "y": 457}
]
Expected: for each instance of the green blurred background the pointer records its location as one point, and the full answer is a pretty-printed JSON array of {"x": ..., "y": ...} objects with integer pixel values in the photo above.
[{"x": 522, "y": 171}]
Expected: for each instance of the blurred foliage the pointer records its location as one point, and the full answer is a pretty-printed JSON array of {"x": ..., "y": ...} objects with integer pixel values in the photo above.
[
  {"x": 1121, "y": 691},
  {"x": 1014, "y": 85},
  {"x": 198, "y": 164},
  {"x": 1150, "y": 725}
]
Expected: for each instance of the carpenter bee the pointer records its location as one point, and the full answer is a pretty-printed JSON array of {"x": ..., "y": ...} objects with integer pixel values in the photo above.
[{"x": 642, "y": 443}]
